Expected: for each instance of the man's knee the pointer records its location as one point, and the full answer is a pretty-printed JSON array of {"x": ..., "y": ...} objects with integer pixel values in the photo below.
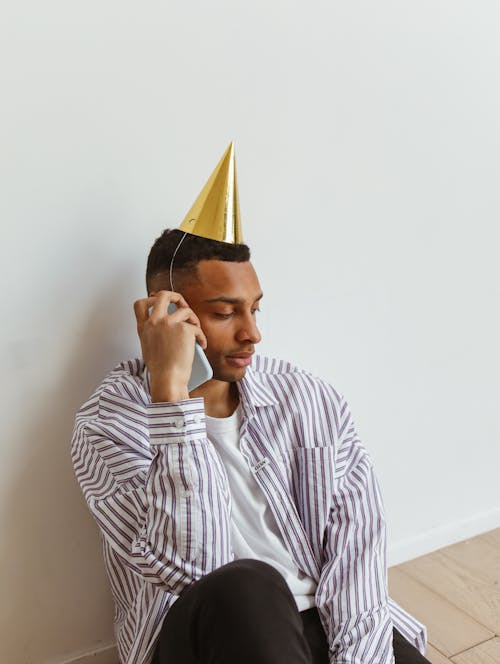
[
  {"x": 251, "y": 568},
  {"x": 242, "y": 578},
  {"x": 245, "y": 607}
]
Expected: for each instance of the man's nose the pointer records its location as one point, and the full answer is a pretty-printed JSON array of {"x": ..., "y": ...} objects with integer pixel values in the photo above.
[{"x": 249, "y": 331}]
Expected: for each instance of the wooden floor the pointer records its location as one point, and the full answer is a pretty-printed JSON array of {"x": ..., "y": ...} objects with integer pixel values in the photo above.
[{"x": 455, "y": 592}]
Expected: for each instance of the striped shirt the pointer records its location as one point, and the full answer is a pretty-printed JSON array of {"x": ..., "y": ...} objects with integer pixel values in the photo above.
[{"x": 160, "y": 495}]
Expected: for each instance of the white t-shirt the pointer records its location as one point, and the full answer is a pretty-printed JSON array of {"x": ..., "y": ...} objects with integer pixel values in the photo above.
[{"x": 255, "y": 533}]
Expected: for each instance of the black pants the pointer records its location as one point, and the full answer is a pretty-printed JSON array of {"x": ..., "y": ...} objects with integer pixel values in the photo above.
[{"x": 245, "y": 612}]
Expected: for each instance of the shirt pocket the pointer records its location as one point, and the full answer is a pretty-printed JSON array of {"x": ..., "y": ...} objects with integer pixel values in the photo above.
[{"x": 314, "y": 487}]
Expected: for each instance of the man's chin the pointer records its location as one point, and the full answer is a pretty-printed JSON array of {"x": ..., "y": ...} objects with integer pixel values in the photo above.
[
  {"x": 233, "y": 377},
  {"x": 229, "y": 374},
  {"x": 225, "y": 370}
]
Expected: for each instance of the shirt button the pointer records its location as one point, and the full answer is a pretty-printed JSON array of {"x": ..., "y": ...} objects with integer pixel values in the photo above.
[
  {"x": 179, "y": 424},
  {"x": 197, "y": 418}
]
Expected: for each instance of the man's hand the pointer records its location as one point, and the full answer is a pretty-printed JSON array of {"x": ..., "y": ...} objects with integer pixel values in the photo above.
[{"x": 167, "y": 342}]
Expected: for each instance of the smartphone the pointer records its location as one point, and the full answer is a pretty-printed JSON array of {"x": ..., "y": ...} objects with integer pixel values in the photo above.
[{"x": 201, "y": 370}]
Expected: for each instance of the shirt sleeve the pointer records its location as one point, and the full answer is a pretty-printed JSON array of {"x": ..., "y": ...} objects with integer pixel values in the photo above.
[
  {"x": 153, "y": 483},
  {"x": 352, "y": 595}
]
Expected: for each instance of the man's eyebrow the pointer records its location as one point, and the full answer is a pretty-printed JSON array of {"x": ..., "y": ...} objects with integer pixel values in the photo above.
[{"x": 231, "y": 300}]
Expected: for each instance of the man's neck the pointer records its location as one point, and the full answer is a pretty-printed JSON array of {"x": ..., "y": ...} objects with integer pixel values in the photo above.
[{"x": 221, "y": 398}]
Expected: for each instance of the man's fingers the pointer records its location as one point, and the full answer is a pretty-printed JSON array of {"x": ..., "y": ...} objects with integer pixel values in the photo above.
[
  {"x": 170, "y": 296},
  {"x": 187, "y": 315},
  {"x": 157, "y": 303},
  {"x": 201, "y": 338},
  {"x": 155, "y": 308},
  {"x": 141, "y": 310}
]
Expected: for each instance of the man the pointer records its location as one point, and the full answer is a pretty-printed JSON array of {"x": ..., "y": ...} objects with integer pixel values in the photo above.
[{"x": 241, "y": 521}]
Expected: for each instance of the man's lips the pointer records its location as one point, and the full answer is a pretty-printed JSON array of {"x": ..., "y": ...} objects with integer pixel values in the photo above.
[{"x": 240, "y": 359}]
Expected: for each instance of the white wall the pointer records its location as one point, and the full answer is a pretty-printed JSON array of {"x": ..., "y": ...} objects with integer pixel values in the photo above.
[{"x": 367, "y": 142}]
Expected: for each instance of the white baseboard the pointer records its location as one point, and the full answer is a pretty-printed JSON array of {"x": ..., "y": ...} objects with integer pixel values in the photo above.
[
  {"x": 442, "y": 536},
  {"x": 106, "y": 655}
]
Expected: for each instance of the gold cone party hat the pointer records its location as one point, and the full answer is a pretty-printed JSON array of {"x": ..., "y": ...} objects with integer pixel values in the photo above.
[{"x": 216, "y": 212}]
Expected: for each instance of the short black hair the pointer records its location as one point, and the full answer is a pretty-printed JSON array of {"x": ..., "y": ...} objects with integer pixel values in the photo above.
[{"x": 192, "y": 250}]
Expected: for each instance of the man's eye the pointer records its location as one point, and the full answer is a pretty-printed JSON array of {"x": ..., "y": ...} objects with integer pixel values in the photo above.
[{"x": 226, "y": 316}]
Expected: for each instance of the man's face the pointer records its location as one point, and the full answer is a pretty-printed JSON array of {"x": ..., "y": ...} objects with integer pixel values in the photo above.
[{"x": 226, "y": 300}]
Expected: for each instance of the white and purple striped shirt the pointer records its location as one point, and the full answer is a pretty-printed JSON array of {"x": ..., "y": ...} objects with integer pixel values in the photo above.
[{"x": 159, "y": 492}]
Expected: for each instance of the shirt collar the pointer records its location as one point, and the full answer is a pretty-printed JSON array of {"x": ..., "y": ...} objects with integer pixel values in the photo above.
[{"x": 253, "y": 390}]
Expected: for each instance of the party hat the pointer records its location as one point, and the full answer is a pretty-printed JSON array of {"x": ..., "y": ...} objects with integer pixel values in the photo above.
[{"x": 216, "y": 212}]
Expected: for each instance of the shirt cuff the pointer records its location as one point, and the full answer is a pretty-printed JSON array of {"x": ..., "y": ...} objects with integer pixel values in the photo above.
[{"x": 176, "y": 422}]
